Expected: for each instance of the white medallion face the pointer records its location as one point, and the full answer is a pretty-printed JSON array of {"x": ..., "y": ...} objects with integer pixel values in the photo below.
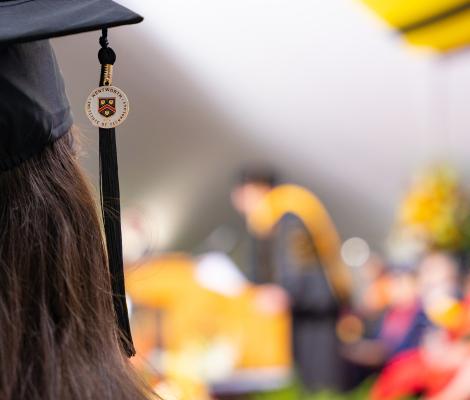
[{"x": 107, "y": 107}]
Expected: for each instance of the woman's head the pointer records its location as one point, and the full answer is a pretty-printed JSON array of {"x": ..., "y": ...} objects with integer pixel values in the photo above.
[{"x": 58, "y": 338}]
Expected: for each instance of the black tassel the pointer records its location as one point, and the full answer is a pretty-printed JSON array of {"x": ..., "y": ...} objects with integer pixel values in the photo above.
[{"x": 111, "y": 209}]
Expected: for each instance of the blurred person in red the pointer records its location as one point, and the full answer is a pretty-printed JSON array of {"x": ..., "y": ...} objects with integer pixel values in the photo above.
[{"x": 295, "y": 245}]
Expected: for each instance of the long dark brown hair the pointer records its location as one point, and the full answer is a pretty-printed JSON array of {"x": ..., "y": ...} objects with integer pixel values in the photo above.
[{"x": 58, "y": 336}]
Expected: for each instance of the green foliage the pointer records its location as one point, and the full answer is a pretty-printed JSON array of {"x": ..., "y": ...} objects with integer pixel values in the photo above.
[{"x": 296, "y": 392}]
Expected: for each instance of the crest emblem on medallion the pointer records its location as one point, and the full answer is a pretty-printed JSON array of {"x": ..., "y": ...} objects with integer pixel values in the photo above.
[{"x": 107, "y": 106}]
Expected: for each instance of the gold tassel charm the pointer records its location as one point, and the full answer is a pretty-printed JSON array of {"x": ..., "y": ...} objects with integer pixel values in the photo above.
[{"x": 107, "y": 74}]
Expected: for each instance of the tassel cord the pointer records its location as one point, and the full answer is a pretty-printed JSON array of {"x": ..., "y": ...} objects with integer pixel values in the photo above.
[{"x": 111, "y": 209}]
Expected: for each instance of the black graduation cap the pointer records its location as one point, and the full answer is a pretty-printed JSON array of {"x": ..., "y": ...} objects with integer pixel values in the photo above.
[{"x": 34, "y": 109}]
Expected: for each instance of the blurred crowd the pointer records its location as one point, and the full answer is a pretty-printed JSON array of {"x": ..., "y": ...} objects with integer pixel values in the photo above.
[
  {"x": 416, "y": 329},
  {"x": 293, "y": 314}
]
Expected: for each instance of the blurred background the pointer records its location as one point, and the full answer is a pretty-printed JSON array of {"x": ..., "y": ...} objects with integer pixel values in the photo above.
[{"x": 295, "y": 183}]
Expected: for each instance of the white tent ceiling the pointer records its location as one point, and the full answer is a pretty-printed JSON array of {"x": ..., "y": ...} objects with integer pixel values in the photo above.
[{"x": 319, "y": 89}]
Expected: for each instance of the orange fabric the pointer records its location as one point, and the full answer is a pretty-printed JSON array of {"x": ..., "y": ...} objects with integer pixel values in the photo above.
[{"x": 192, "y": 314}]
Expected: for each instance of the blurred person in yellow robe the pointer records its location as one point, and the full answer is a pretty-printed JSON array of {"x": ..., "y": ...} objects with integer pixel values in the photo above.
[{"x": 295, "y": 245}]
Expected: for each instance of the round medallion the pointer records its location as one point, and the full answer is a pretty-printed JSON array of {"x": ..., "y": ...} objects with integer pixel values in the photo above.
[{"x": 107, "y": 107}]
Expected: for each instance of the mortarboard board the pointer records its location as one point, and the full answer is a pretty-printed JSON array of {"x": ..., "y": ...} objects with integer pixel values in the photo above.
[{"x": 34, "y": 109}]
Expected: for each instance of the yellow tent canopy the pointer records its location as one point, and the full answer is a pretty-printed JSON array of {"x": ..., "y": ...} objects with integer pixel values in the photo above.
[{"x": 442, "y": 25}]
